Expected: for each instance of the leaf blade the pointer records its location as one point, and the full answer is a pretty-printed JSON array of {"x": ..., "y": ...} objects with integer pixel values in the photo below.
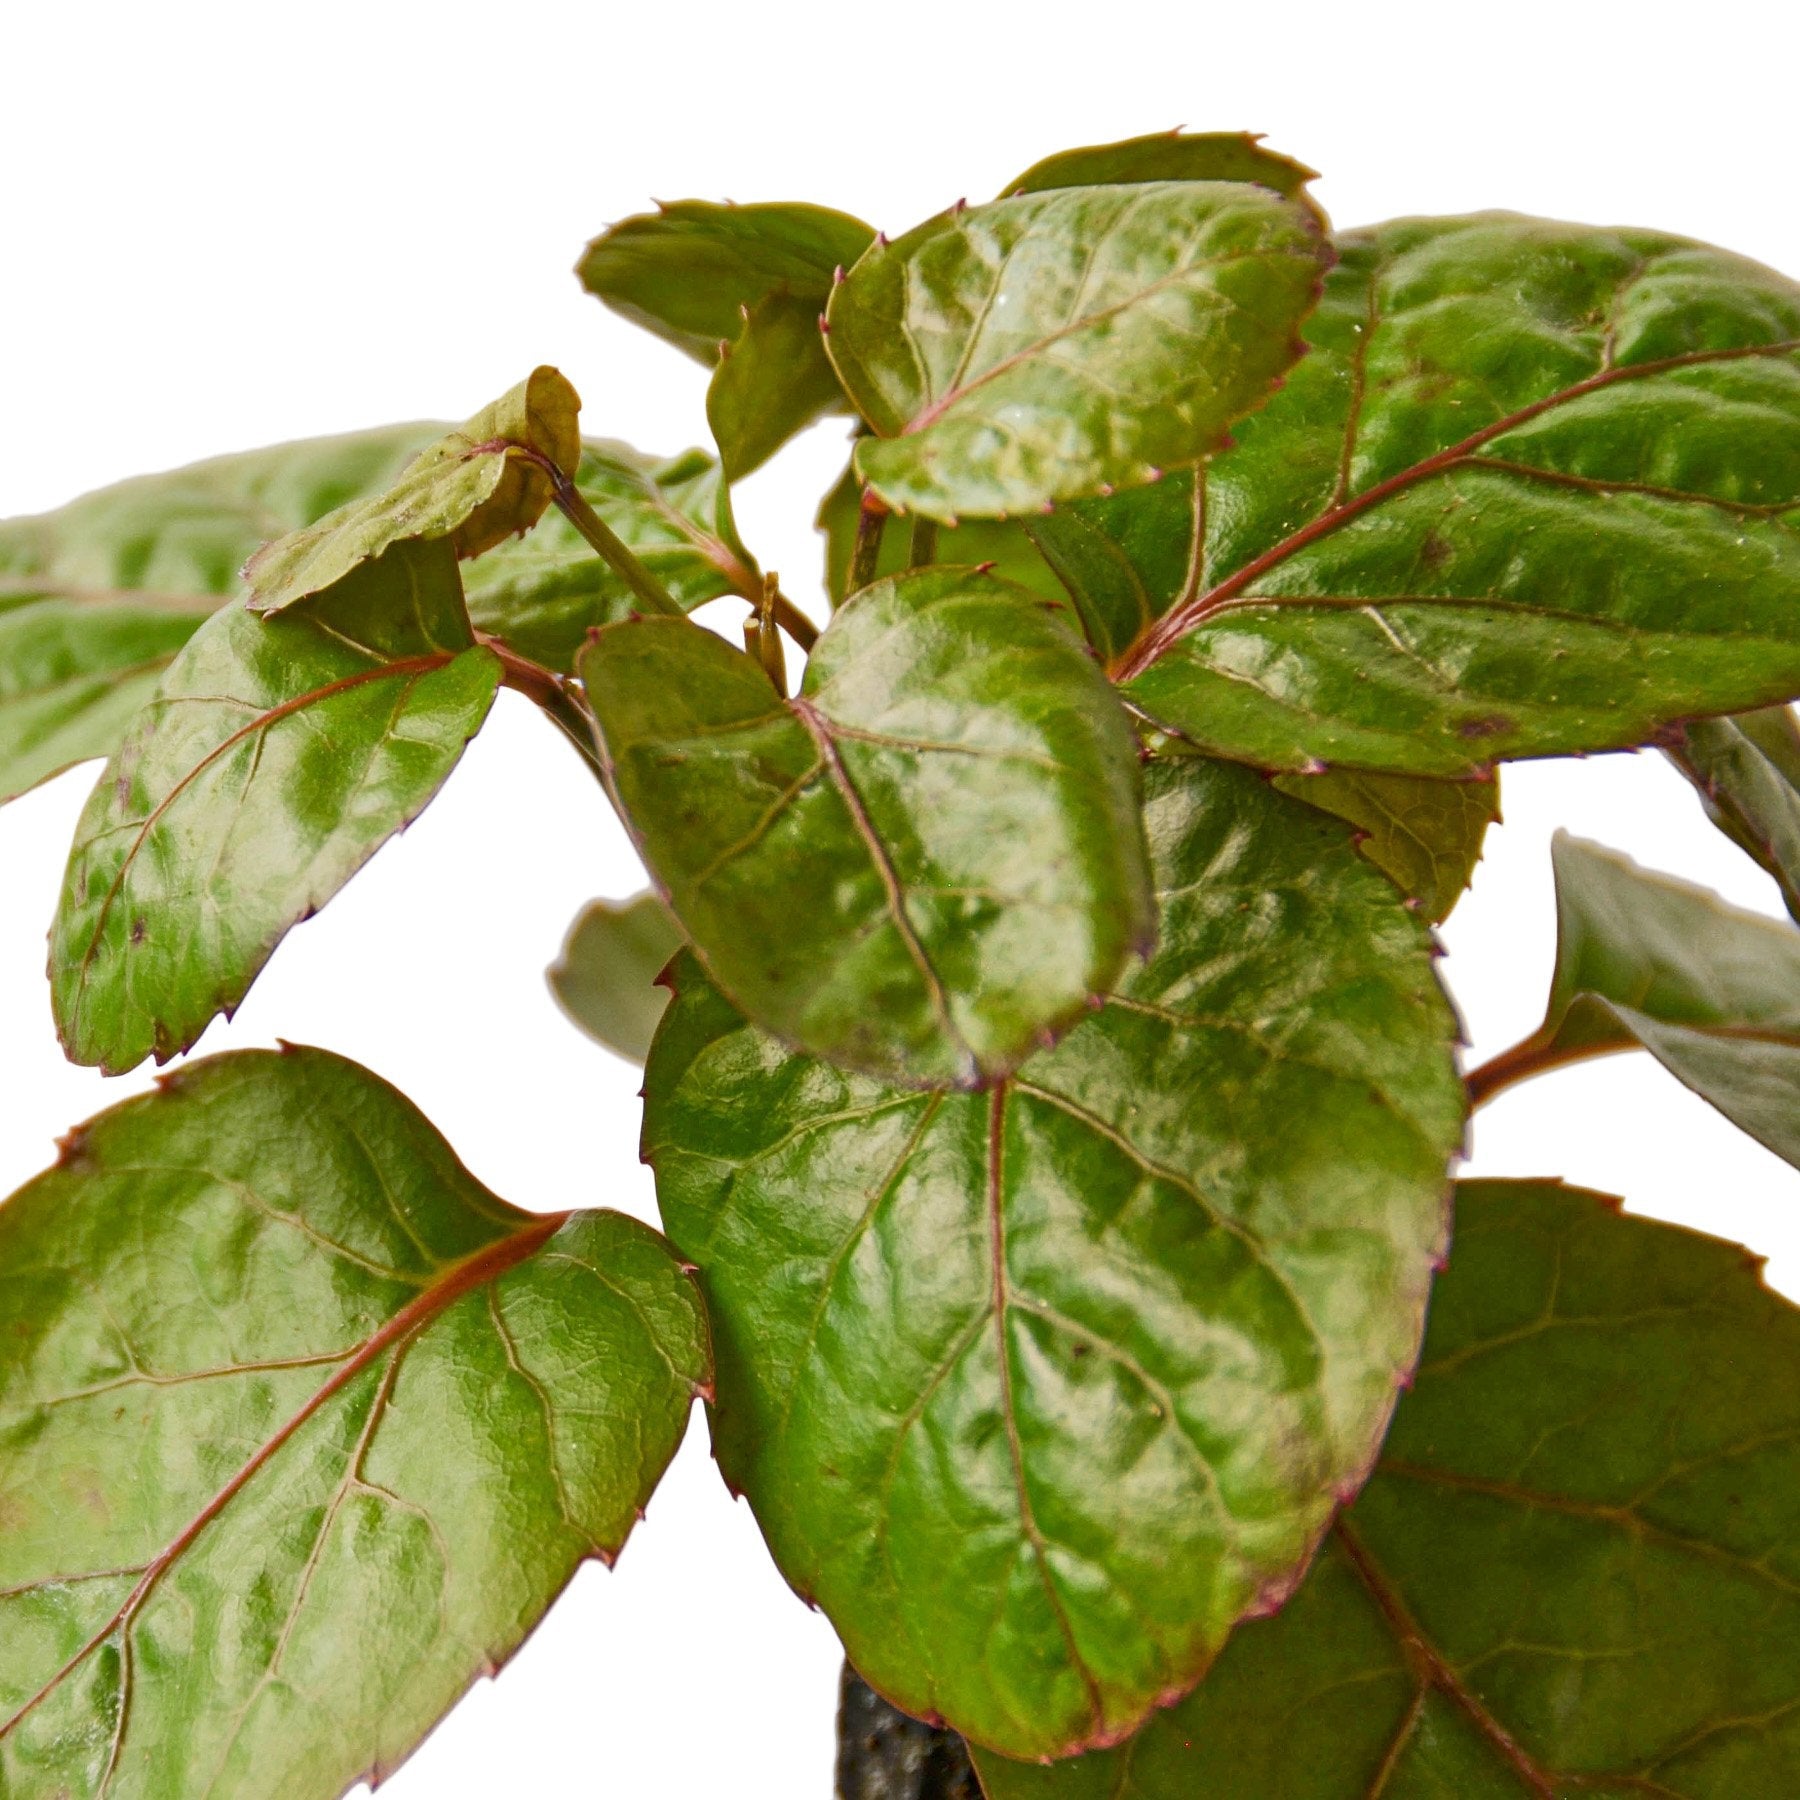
[
  {"x": 1746, "y": 771},
  {"x": 605, "y": 977}
]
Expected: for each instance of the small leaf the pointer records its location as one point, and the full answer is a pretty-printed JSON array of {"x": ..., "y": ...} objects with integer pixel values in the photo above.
[
  {"x": 920, "y": 866},
  {"x": 476, "y": 486},
  {"x": 1525, "y": 496},
  {"x": 772, "y": 382},
  {"x": 304, "y": 1430},
  {"x": 1574, "y": 1572},
  {"x": 1038, "y": 1391},
  {"x": 1747, "y": 772},
  {"x": 606, "y": 975},
  {"x": 97, "y": 597},
  {"x": 276, "y": 758},
  {"x": 884, "y": 1755},
  {"x": 1039, "y": 349},
  {"x": 691, "y": 270},
  {"x": 1168, "y": 156},
  {"x": 1426, "y": 835},
  {"x": 1712, "y": 992}
]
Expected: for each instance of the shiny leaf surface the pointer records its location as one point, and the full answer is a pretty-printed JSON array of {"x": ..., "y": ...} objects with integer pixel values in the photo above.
[
  {"x": 476, "y": 486},
  {"x": 924, "y": 863},
  {"x": 1573, "y": 1576},
  {"x": 1168, "y": 156},
  {"x": 303, "y": 1430},
  {"x": 606, "y": 976},
  {"x": 772, "y": 381},
  {"x": 1525, "y": 496},
  {"x": 276, "y": 758},
  {"x": 1747, "y": 772},
  {"x": 1038, "y": 1391},
  {"x": 1712, "y": 992},
  {"x": 1055, "y": 345}
]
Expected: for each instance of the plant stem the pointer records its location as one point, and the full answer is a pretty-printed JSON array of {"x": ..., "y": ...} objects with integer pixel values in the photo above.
[
  {"x": 601, "y": 536},
  {"x": 924, "y": 542},
  {"x": 555, "y": 695},
  {"x": 793, "y": 621},
  {"x": 1531, "y": 1056},
  {"x": 865, "y": 559}
]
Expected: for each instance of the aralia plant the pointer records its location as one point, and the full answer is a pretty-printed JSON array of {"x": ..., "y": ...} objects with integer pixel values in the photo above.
[{"x": 1053, "y": 1103}]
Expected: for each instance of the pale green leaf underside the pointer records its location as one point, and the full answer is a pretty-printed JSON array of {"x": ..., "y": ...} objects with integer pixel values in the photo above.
[
  {"x": 1747, "y": 773},
  {"x": 773, "y": 380},
  {"x": 923, "y": 863},
  {"x": 1574, "y": 1575},
  {"x": 1037, "y": 1391},
  {"x": 605, "y": 978},
  {"x": 1529, "y": 493},
  {"x": 1038, "y": 349},
  {"x": 300, "y": 1431},
  {"x": 1168, "y": 156}
]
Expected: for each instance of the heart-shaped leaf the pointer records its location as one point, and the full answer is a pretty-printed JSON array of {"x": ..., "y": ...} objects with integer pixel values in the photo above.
[
  {"x": 1747, "y": 772},
  {"x": 1168, "y": 156},
  {"x": 1054, "y": 345},
  {"x": 606, "y": 975},
  {"x": 278, "y": 755},
  {"x": 476, "y": 486},
  {"x": 1523, "y": 497},
  {"x": 1643, "y": 960},
  {"x": 923, "y": 864},
  {"x": 303, "y": 1430},
  {"x": 97, "y": 597},
  {"x": 1038, "y": 1391},
  {"x": 1574, "y": 1573}
]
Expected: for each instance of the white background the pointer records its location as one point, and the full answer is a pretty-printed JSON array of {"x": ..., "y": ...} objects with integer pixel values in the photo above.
[{"x": 227, "y": 225}]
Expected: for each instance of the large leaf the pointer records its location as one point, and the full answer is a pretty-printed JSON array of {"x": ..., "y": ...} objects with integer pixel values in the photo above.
[
  {"x": 476, "y": 486},
  {"x": 1059, "y": 344},
  {"x": 1168, "y": 156},
  {"x": 606, "y": 976},
  {"x": 302, "y": 1431},
  {"x": 1713, "y": 993},
  {"x": 1747, "y": 772},
  {"x": 276, "y": 758},
  {"x": 1574, "y": 1574},
  {"x": 1523, "y": 497},
  {"x": 923, "y": 864},
  {"x": 97, "y": 597},
  {"x": 1037, "y": 1392}
]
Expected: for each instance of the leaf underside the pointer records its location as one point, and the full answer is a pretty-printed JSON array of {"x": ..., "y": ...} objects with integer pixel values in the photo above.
[
  {"x": 605, "y": 979},
  {"x": 1168, "y": 156},
  {"x": 1037, "y": 1391},
  {"x": 303, "y": 1430},
  {"x": 1747, "y": 773}
]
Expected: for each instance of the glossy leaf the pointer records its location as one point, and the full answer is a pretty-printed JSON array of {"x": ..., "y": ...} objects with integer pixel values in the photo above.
[
  {"x": 1425, "y": 835},
  {"x": 276, "y": 758},
  {"x": 304, "y": 1430},
  {"x": 1574, "y": 1573},
  {"x": 1747, "y": 772},
  {"x": 1168, "y": 156},
  {"x": 606, "y": 977},
  {"x": 97, "y": 597},
  {"x": 1042, "y": 348},
  {"x": 774, "y": 381},
  {"x": 1712, "y": 992},
  {"x": 1524, "y": 497},
  {"x": 922, "y": 865},
  {"x": 476, "y": 486},
  {"x": 885, "y": 1755},
  {"x": 1038, "y": 1391}
]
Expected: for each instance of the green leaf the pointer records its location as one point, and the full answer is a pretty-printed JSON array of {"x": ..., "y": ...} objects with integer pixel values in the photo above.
[
  {"x": 476, "y": 486},
  {"x": 97, "y": 597},
  {"x": 1574, "y": 1573},
  {"x": 1643, "y": 960},
  {"x": 304, "y": 1430},
  {"x": 923, "y": 864},
  {"x": 884, "y": 1755},
  {"x": 606, "y": 975},
  {"x": 1747, "y": 772},
  {"x": 1057, "y": 345},
  {"x": 1426, "y": 835},
  {"x": 690, "y": 271},
  {"x": 543, "y": 593},
  {"x": 774, "y": 381},
  {"x": 1168, "y": 156},
  {"x": 276, "y": 758},
  {"x": 1524, "y": 497},
  {"x": 1036, "y": 1392}
]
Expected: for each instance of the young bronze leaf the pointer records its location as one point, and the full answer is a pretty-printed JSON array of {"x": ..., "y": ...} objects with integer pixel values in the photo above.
[
  {"x": 1574, "y": 1573},
  {"x": 922, "y": 865},
  {"x": 1038, "y": 1391},
  {"x": 303, "y": 1430},
  {"x": 476, "y": 486},
  {"x": 606, "y": 976},
  {"x": 1060, "y": 344},
  {"x": 277, "y": 756},
  {"x": 1643, "y": 960},
  {"x": 97, "y": 597},
  {"x": 1168, "y": 156},
  {"x": 1525, "y": 496},
  {"x": 1747, "y": 772}
]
